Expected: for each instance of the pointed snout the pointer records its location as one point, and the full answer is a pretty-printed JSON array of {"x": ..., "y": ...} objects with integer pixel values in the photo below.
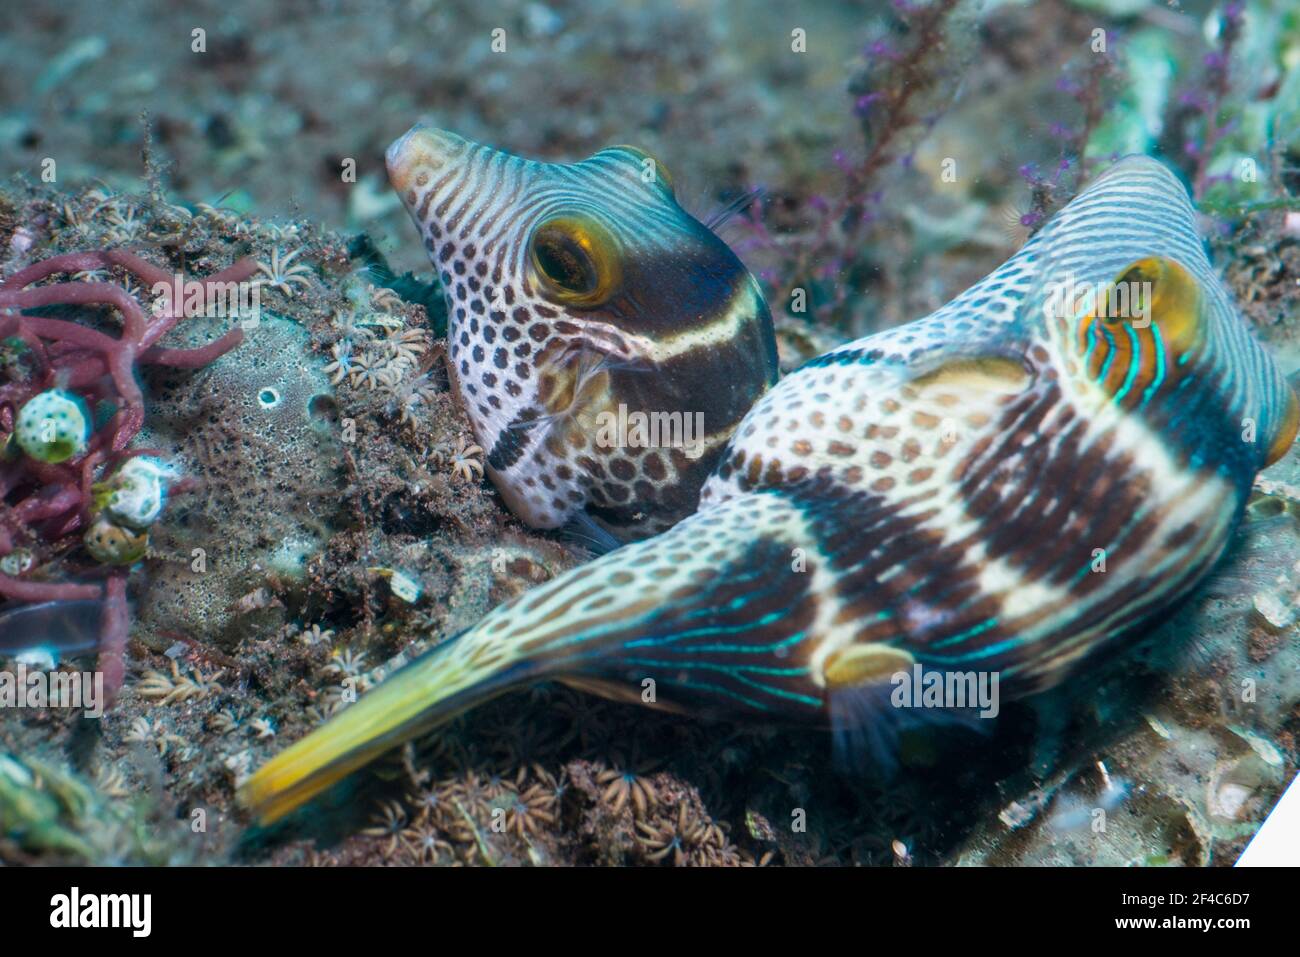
[{"x": 421, "y": 150}]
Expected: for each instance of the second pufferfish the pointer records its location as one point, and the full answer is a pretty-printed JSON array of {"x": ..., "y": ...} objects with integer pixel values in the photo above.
[{"x": 580, "y": 297}]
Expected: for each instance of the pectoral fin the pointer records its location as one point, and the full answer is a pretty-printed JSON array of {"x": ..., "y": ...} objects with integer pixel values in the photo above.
[
  {"x": 867, "y": 721},
  {"x": 1286, "y": 434}
]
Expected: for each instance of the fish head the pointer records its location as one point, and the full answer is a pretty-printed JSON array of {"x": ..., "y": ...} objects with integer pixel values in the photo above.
[
  {"x": 1141, "y": 321},
  {"x": 585, "y": 307}
]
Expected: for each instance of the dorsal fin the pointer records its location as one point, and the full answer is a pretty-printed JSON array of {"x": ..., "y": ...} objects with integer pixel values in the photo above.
[{"x": 986, "y": 373}]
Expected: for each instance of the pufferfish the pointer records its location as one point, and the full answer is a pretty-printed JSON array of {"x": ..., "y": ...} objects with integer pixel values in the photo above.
[
  {"x": 1011, "y": 485},
  {"x": 590, "y": 320}
]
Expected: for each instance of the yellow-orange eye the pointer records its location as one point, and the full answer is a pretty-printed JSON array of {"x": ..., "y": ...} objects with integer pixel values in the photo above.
[{"x": 575, "y": 259}]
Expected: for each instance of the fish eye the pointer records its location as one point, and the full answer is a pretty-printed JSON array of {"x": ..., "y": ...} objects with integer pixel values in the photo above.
[
  {"x": 574, "y": 259},
  {"x": 562, "y": 259}
]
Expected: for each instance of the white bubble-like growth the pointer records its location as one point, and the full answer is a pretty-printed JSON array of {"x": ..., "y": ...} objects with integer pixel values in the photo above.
[{"x": 53, "y": 426}]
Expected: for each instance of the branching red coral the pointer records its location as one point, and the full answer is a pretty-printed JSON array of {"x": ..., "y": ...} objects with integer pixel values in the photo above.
[{"x": 43, "y": 504}]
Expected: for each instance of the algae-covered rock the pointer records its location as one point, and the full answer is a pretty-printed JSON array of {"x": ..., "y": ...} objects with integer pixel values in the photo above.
[{"x": 258, "y": 432}]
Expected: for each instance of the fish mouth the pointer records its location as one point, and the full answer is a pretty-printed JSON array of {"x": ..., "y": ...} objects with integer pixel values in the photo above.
[{"x": 422, "y": 151}]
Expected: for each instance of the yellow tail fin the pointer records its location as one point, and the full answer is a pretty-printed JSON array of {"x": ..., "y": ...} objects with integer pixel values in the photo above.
[{"x": 428, "y": 692}]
